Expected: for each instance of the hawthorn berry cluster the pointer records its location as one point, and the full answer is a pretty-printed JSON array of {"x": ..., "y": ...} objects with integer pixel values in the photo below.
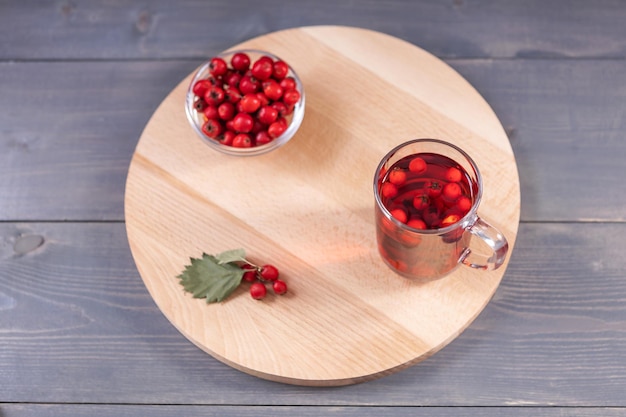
[
  {"x": 426, "y": 191},
  {"x": 259, "y": 276},
  {"x": 244, "y": 103}
]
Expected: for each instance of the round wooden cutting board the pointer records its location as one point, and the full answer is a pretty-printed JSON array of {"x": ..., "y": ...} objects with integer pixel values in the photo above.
[{"x": 308, "y": 209}]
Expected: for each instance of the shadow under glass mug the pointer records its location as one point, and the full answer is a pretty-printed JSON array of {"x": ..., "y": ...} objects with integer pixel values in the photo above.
[{"x": 427, "y": 193}]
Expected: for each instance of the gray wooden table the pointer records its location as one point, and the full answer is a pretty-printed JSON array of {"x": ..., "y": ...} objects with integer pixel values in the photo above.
[{"x": 81, "y": 336}]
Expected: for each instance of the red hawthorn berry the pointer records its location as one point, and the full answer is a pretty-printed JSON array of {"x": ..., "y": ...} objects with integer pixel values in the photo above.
[
  {"x": 210, "y": 112},
  {"x": 217, "y": 66},
  {"x": 226, "y": 110},
  {"x": 250, "y": 275},
  {"x": 417, "y": 165},
  {"x": 258, "y": 291},
  {"x": 199, "y": 105},
  {"x": 232, "y": 79},
  {"x": 279, "y": 287},
  {"x": 388, "y": 190},
  {"x": 226, "y": 138},
  {"x": 212, "y": 128},
  {"x": 249, "y": 84},
  {"x": 280, "y": 70},
  {"x": 277, "y": 128},
  {"x": 201, "y": 87},
  {"x": 240, "y": 61},
  {"x": 242, "y": 140},
  {"x": 288, "y": 83},
  {"x": 267, "y": 115},
  {"x": 421, "y": 201},
  {"x": 417, "y": 224},
  {"x": 263, "y": 138},
  {"x": 215, "y": 95},
  {"x": 397, "y": 176},
  {"x": 399, "y": 214},
  {"x": 262, "y": 69},
  {"x": 280, "y": 107},
  {"x": 272, "y": 90},
  {"x": 454, "y": 174},
  {"x": 452, "y": 191},
  {"x": 269, "y": 273},
  {"x": 250, "y": 103},
  {"x": 291, "y": 97},
  {"x": 243, "y": 122}
]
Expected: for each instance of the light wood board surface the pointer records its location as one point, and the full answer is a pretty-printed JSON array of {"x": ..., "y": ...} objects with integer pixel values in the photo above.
[{"x": 308, "y": 208}]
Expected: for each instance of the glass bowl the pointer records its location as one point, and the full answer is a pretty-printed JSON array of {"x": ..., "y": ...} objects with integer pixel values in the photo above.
[{"x": 197, "y": 118}]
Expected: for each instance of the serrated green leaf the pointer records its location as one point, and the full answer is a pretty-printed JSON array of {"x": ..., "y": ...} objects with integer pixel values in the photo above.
[
  {"x": 207, "y": 278},
  {"x": 233, "y": 255}
]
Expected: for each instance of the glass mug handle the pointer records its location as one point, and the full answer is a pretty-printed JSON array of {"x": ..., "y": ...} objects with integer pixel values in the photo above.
[{"x": 494, "y": 239}]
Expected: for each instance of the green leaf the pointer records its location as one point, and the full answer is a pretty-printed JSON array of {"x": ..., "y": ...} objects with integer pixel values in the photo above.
[
  {"x": 207, "y": 278},
  {"x": 233, "y": 255}
]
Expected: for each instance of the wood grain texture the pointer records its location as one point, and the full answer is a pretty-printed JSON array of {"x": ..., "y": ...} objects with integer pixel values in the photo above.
[
  {"x": 78, "y": 326},
  {"x": 565, "y": 120},
  {"x": 89, "y": 410},
  {"x": 338, "y": 325},
  {"x": 162, "y": 29}
]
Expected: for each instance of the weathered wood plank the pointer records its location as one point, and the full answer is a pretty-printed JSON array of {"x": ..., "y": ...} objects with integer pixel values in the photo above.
[
  {"x": 68, "y": 131},
  {"x": 90, "y": 410},
  {"x": 78, "y": 326},
  {"x": 37, "y": 29},
  {"x": 69, "y": 161}
]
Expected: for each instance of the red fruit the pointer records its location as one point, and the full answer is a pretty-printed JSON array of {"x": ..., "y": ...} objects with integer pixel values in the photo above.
[
  {"x": 417, "y": 224},
  {"x": 226, "y": 110},
  {"x": 226, "y": 138},
  {"x": 272, "y": 90},
  {"x": 257, "y": 127},
  {"x": 232, "y": 79},
  {"x": 201, "y": 87},
  {"x": 240, "y": 61},
  {"x": 263, "y": 138},
  {"x": 433, "y": 188},
  {"x": 280, "y": 70},
  {"x": 215, "y": 95},
  {"x": 421, "y": 201},
  {"x": 218, "y": 67},
  {"x": 249, "y": 276},
  {"x": 417, "y": 165},
  {"x": 388, "y": 190},
  {"x": 277, "y": 128},
  {"x": 397, "y": 176},
  {"x": 262, "y": 69},
  {"x": 454, "y": 174},
  {"x": 291, "y": 97},
  {"x": 212, "y": 128},
  {"x": 464, "y": 204},
  {"x": 431, "y": 217},
  {"x": 268, "y": 273},
  {"x": 210, "y": 112},
  {"x": 280, "y": 107},
  {"x": 249, "y": 84},
  {"x": 279, "y": 287},
  {"x": 258, "y": 291},
  {"x": 242, "y": 140},
  {"x": 243, "y": 122},
  {"x": 267, "y": 115},
  {"x": 450, "y": 220},
  {"x": 264, "y": 100},
  {"x": 288, "y": 83},
  {"x": 250, "y": 103},
  {"x": 399, "y": 215},
  {"x": 452, "y": 191},
  {"x": 199, "y": 105},
  {"x": 232, "y": 95}
]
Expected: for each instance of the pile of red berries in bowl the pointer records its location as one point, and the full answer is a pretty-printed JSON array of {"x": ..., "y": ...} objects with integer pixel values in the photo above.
[{"x": 245, "y": 102}]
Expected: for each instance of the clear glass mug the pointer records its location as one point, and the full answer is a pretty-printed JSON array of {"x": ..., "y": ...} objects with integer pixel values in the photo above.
[{"x": 435, "y": 251}]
